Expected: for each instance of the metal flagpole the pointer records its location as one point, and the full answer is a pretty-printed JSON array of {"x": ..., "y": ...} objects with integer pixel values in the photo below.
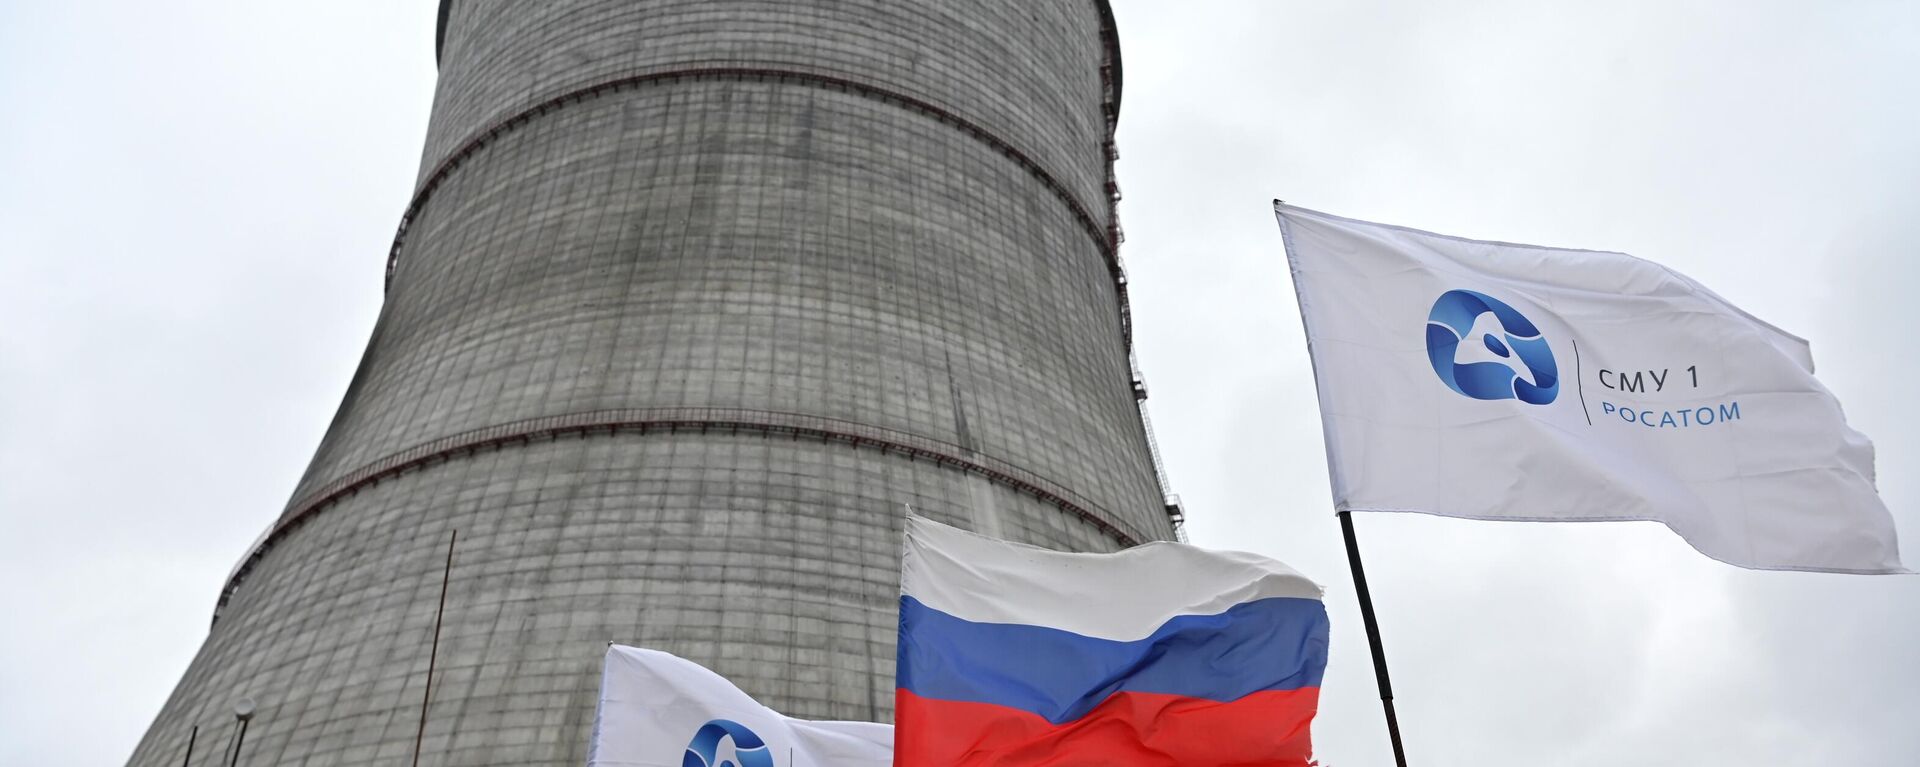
[
  {"x": 1373, "y": 636},
  {"x": 434, "y": 654}
]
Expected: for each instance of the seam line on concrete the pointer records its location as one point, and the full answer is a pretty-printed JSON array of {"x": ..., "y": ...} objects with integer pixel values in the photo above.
[
  {"x": 655, "y": 420},
  {"x": 1107, "y": 239}
]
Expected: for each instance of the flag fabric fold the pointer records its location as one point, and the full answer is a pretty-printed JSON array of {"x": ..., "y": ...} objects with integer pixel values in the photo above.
[
  {"x": 660, "y": 710},
  {"x": 1489, "y": 380},
  {"x": 1164, "y": 654}
]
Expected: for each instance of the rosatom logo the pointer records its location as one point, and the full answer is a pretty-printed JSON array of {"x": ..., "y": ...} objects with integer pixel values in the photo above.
[
  {"x": 1474, "y": 341},
  {"x": 721, "y": 743}
]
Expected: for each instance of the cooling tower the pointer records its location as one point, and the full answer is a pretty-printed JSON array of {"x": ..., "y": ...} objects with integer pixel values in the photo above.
[{"x": 692, "y": 300}]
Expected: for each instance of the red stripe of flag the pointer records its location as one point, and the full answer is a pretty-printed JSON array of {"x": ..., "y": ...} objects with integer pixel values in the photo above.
[{"x": 1131, "y": 728}]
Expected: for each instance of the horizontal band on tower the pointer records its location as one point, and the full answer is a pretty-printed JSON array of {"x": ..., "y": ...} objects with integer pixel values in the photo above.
[
  {"x": 1109, "y": 40},
  {"x": 1106, "y": 238},
  {"x": 689, "y": 419}
]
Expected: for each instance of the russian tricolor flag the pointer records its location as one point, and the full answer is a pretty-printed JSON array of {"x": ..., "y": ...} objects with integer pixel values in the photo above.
[{"x": 1163, "y": 654}]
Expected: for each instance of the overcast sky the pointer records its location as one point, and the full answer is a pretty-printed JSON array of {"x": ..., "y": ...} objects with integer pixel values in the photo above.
[{"x": 196, "y": 200}]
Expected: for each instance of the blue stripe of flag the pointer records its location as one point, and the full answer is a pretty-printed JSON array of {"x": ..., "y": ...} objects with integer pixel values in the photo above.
[{"x": 1267, "y": 644}]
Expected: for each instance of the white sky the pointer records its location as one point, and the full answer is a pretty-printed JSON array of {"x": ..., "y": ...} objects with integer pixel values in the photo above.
[{"x": 196, "y": 199}]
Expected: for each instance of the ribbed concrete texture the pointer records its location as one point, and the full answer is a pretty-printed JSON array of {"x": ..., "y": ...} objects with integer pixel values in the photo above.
[{"x": 693, "y": 299}]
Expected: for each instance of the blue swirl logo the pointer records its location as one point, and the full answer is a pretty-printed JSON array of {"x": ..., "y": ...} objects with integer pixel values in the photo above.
[
  {"x": 1482, "y": 348},
  {"x": 721, "y": 743}
]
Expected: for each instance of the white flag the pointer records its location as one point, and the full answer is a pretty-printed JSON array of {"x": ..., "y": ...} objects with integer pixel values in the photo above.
[
  {"x": 661, "y": 710},
  {"x": 1493, "y": 381}
]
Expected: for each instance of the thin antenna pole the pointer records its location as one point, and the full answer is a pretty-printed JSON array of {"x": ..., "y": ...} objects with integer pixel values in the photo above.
[
  {"x": 191, "y": 737},
  {"x": 240, "y": 742},
  {"x": 227, "y": 755},
  {"x": 433, "y": 654},
  {"x": 1373, "y": 637}
]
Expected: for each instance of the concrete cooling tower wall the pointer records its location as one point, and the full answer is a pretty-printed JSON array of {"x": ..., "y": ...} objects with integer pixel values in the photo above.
[{"x": 692, "y": 300}]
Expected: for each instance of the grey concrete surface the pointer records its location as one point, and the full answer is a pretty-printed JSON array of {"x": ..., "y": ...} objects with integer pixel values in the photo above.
[{"x": 800, "y": 231}]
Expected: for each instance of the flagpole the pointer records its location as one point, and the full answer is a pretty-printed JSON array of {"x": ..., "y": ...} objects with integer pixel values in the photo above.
[{"x": 1373, "y": 636}]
